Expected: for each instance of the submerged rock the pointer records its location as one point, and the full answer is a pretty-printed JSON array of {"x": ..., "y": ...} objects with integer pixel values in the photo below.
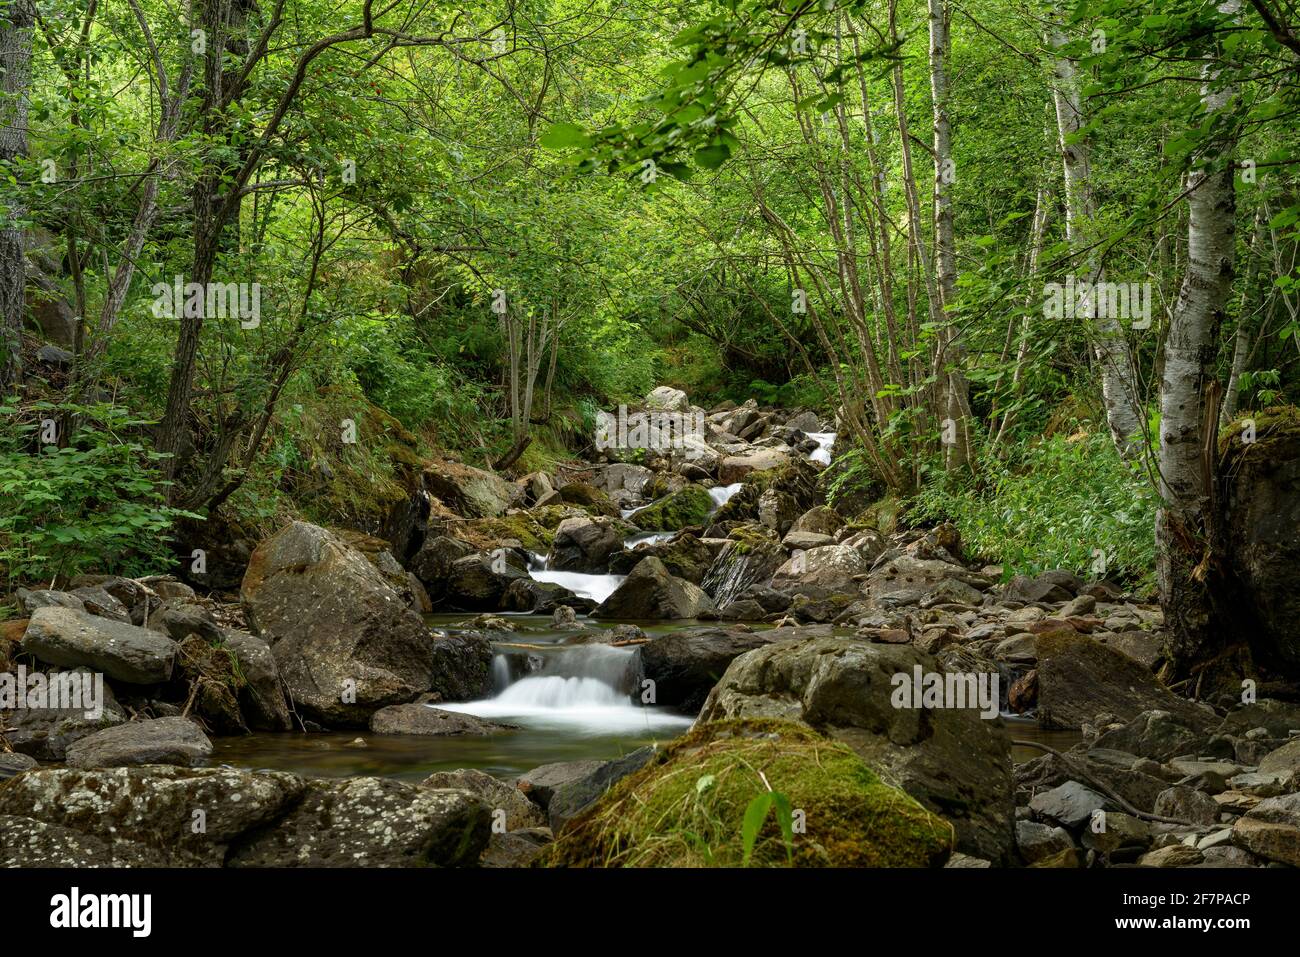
[{"x": 423, "y": 719}]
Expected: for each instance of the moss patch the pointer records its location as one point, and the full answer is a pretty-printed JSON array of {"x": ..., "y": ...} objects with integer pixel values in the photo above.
[
  {"x": 686, "y": 808},
  {"x": 588, "y": 498},
  {"x": 490, "y": 532},
  {"x": 680, "y": 509}
]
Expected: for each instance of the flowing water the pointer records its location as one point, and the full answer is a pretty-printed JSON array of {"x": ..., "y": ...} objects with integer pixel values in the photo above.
[
  {"x": 824, "y": 440},
  {"x": 567, "y": 701}
]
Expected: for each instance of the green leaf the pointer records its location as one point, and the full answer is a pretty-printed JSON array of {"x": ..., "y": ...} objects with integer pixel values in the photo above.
[
  {"x": 755, "y": 815},
  {"x": 563, "y": 136}
]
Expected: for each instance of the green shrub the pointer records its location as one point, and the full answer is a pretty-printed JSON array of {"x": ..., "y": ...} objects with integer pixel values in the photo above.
[
  {"x": 1059, "y": 504},
  {"x": 94, "y": 504}
]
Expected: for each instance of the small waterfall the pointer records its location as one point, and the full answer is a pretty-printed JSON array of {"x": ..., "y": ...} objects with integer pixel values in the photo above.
[
  {"x": 500, "y": 673},
  {"x": 647, "y": 538},
  {"x": 721, "y": 494},
  {"x": 584, "y": 585},
  {"x": 824, "y": 440},
  {"x": 584, "y": 686}
]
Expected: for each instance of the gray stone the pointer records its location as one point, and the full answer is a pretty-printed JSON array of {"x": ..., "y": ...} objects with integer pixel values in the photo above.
[
  {"x": 426, "y": 720},
  {"x": 124, "y": 652},
  {"x": 175, "y": 741}
]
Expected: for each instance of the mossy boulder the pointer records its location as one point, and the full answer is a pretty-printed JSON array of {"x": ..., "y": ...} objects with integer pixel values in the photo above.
[
  {"x": 521, "y": 527},
  {"x": 686, "y": 808},
  {"x": 685, "y": 507},
  {"x": 795, "y": 480},
  {"x": 588, "y": 498}
]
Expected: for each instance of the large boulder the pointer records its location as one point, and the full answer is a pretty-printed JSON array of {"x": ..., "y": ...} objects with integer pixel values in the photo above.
[
  {"x": 704, "y": 784},
  {"x": 953, "y": 761},
  {"x": 176, "y": 741},
  {"x": 750, "y": 557},
  {"x": 685, "y": 507},
  {"x": 830, "y": 569},
  {"x": 1260, "y": 484},
  {"x": 212, "y": 817},
  {"x": 518, "y": 812},
  {"x": 735, "y": 467},
  {"x": 479, "y": 582},
  {"x": 470, "y": 492},
  {"x": 667, "y": 399},
  {"x": 345, "y": 642},
  {"x": 579, "y": 793},
  {"x": 685, "y": 665},
  {"x": 141, "y": 816},
  {"x": 1079, "y": 678},
  {"x": 650, "y": 591},
  {"x": 585, "y": 544},
  {"x": 124, "y": 652}
]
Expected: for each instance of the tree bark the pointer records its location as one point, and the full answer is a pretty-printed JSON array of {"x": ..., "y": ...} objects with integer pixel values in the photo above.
[
  {"x": 1119, "y": 388},
  {"x": 952, "y": 351},
  {"x": 15, "y": 61},
  {"x": 1186, "y": 532}
]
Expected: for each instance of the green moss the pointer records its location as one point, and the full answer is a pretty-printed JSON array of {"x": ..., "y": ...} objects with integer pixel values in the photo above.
[
  {"x": 1272, "y": 425},
  {"x": 751, "y": 537},
  {"x": 491, "y": 532},
  {"x": 588, "y": 498},
  {"x": 686, "y": 808},
  {"x": 689, "y": 506},
  {"x": 883, "y": 515}
]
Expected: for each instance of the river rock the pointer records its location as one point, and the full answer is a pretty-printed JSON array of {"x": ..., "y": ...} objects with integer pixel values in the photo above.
[
  {"x": 516, "y": 848},
  {"x": 479, "y": 582},
  {"x": 137, "y": 816},
  {"x": 540, "y": 784},
  {"x": 575, "y": 795},
  {"x": 30, "y": 600},
  {"x": 651, "y": 592},
  {"x": 749, "y": 558},
  {"x": 1071, "y": 804},
  {"x": 261, "y": 699},
  {"x": 951, "y": 760},
  {"x": 585, "y": 544},
  {"x": 1187, "y": 804},
  {"x": 683, "y": 508},
  {"x": 1171, "y": 855},
  {"x": 1079, "y": 678},
  {"x": 178, "y": 618},
  {"x": 1158, "y": 735},
  {"x": 734, "y": 468},
  {"x": 345, "y": 643},
  {"x": 13, "y": 762},
  {"x": 667, "y": 399},
  {"x": 177, "y": 741},
  {"x": 519, "y": 812},
  {"x": 704, "y": 782},
  {"x": 426, "y": 720},
  {"x": 824, "y": 570},
  {"x": 433, "y": 562},
  {"x": 1037, "y": 842},
  {"x": 124, "y": 652},
  {"x": 46, "y": 733},
  {"x": 1271, "y": 829},
  {"x": 470, "y": 492},
  {"x": 685, "y": 665}
]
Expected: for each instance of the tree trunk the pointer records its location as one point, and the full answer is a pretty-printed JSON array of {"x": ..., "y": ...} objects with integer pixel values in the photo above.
[
  {"x": 1186, "y": 533},
  {"x": 952, "y": 350},
  {"x": 1119, "y": 387},
  {"x": 15, "y": 61}
]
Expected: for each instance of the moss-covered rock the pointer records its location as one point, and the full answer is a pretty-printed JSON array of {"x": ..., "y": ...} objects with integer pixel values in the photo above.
[
  {"x": 588, "y": 498},
  {"x": 522, "y": 527},
  {"x": 681, "y": 509},
  {"x": 687, "y": 807}
]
